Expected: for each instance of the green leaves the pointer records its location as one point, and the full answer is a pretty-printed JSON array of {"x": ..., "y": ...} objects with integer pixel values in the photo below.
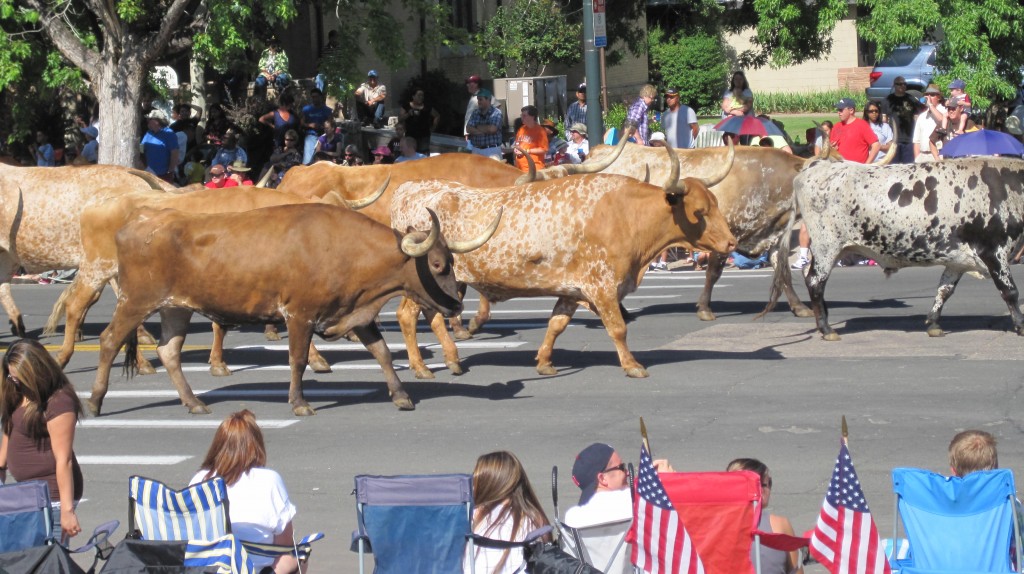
[
  {"x": 693, "y": 64},
  {"x": 524, "y": 37}
]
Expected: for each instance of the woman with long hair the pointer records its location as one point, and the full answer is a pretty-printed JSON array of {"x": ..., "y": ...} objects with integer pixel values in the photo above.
[
  {"x": 772, "y": 561},
  {"x": 738, "y": 100},
  {"x": 505, "y": 508},
  {"x": 873, "y": 116},
  {"x": 260, "y": 510},
  {"x": 40, "y": 409}
]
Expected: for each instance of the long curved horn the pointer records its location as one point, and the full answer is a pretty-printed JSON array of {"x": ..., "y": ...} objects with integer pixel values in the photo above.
[
  {"x": 673, "y": 175},
  {"x": 412, "y": 248},
  {"x": 357, "y": 204},
  {"x": 477, "y": 242},
  {"x": 647, "y": 173},
  {"x": 152, "y": 180},
  {"x": 889, "y": 155},
  {"x": 597, "y": 166},
  {"x": 531, "y": 175},
  {"x": 721, "y": 175}
]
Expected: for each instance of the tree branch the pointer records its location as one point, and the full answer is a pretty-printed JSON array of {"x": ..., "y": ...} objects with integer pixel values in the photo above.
[
  {"x": 157, "y": 44},
  {"x": 105, "y": 11},
  {"x": 65, "y": 40}
]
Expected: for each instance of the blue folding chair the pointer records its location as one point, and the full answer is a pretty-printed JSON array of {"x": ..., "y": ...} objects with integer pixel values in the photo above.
[
  {"x": 25, "y": 519},
  {"x": 199, "y": 514},
  {"x": 957, "y": 524},
  {"x": 415, "y": 524}
]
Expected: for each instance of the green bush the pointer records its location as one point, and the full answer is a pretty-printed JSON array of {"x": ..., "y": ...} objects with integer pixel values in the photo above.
[
  {"x": 695, "y": 65},
  {"x": 804, "y": 103}
]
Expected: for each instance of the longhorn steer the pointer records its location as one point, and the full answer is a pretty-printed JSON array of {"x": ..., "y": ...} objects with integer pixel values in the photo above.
[
  {"x": 583, "y": 239},
  {"x": 321, "y": 269},
  {"x": 964, "y": 214},
  {"x": 39, "y": 210}
]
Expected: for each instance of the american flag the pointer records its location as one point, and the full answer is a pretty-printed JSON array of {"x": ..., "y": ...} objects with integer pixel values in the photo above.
[
  {"x": 845, "y": 539},
  {"x": 662, "y": 544}
]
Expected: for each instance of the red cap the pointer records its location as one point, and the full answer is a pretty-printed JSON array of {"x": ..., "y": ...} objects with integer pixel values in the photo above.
[{"x": 474, "y": 79}]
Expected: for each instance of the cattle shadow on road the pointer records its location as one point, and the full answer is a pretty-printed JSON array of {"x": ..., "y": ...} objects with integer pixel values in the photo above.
[
  {"x": 752, "y": 308},
  {"x": 916, "y": 324},
  {"x": 572, "y": 361}
]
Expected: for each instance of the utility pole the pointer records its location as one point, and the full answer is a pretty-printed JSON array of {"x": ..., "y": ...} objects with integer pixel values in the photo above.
[{"x": 594, "y": 37}]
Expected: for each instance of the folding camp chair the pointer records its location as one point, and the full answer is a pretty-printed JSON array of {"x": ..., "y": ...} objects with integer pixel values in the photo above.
[
  {"x": 25, "y": 519},
  {"x": 721, "y": 511},
  {"x": 198, "y": 514},
  {"x": 957, "y": 524},
  {"x": 414, "y": 524},
  {"x": 602, "y": 546}
]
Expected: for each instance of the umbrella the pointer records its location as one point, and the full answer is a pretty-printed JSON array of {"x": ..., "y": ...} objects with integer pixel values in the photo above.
[
  {"x": 983, "y": 142},
  {"x": 748, "y": 126}
]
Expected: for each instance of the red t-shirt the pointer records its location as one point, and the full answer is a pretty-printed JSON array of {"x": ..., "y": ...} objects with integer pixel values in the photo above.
[
  {"x": 226, "y": 182},
  {"x": 29, "y": 460},
  {"x": 853, "y": 140}
]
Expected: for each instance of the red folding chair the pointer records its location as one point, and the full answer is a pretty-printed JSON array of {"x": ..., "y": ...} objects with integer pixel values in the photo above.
[{"x": 721, "y": 511}]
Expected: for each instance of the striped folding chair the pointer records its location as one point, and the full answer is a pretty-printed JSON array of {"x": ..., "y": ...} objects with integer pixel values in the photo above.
[{"x": 198, "y": 514}]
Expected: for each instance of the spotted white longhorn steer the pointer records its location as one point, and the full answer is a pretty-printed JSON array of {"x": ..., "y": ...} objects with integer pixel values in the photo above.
[
  {"x": 963, "y": 214},
  {"x": 584, "y": 239}
]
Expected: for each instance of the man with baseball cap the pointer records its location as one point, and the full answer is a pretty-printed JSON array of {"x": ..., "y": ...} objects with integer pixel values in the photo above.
[
  {"x": 483, "y": 130},
  {"x": 370, "y": 96},
  {"x": 902, "y": 108},
  {"x": 852, "y": 137},
  {"x": 926, "y": 123},
  {"x": 473, "y": 85},
  {"x": 577, "y": 111},
  {"x": 678, "y": 121}
]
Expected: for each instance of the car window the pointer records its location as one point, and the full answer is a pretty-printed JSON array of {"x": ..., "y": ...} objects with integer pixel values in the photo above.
[
  {"x": 898, "y": 58},
  {"x": 931, "y": 59}
]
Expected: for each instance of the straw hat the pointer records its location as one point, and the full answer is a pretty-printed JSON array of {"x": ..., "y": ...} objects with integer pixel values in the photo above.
[{"x": 239, "y": 166}]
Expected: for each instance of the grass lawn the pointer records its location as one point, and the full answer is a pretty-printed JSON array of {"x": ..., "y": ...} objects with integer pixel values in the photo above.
[{"x": 796, "y": 124}]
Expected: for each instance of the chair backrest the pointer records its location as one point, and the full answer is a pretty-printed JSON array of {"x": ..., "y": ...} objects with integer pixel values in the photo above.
[
  {"x": 158, "y": 512},
  {"x": 25, "y": 519},
  {"x": 601, "y": 545},
  {"x": 415, "y": 524},
  {"x": 958, "y": 524},
  {"x": 720, "y": 510}
]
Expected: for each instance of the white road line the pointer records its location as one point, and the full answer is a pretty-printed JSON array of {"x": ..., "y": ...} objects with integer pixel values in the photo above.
[
  {"x": 556, "y": 298},
  {"x": 392, "y": 346},
  {"x": 129, "y": 460},
  {"x": 285, "y": 367},
  {"x": 172, "y": 394},
  {"x": 689, "y": 277},
  {"x": 105, "y": 423}
]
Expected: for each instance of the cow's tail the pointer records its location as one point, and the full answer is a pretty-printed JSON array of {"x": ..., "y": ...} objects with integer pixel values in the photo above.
[
  {"x": 783, "y": 276},
  {"x": 131, "y": 354},
  {"x": 56, "y": 313}
]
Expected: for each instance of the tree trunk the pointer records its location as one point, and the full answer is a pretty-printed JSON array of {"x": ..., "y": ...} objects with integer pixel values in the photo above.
[{"x": 119, "y": 92}]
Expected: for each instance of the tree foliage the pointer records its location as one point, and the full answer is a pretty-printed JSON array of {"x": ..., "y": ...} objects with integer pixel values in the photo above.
[
  {"x": 693, "y": 64},
  {"x": 525, "y": 36},
  {"x": 980, "y": 41},
  {"x": 786, "y": 32}
]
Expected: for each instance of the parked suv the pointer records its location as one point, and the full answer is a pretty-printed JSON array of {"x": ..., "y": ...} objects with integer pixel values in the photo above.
[{"x": 915, "y": 63}]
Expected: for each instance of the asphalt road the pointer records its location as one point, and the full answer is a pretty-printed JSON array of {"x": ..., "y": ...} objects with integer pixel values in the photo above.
[{"x": 769, "y": 389}]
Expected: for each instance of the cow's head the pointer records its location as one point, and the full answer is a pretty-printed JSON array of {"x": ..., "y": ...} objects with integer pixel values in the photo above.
[
  {"x": 695, "y": 208},
  {"x": 435, "y": 287}
]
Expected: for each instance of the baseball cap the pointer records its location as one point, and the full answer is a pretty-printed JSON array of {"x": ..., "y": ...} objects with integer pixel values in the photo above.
[
  {"x": 382, "y": 150},
  {"x": 657, "y": 137},
  {"x": 671, "y": 92},
  {"x": 933, "y": 89},
  {"x": 371, "y": 74},
  {"x": 484, "y": 93},
  {"x": 559, "y": 143},
  {"x": 90, "y": 131},
  {"x": 845, "y": 103},
  {"x": 474, "y": 79},
  {"x": 590, "y": 462},
  {"x": 579, "y": 127},
  {"x": 953, "y": 102},
  {"x": 581, "y": 88},
  {"x": 352, "y": 149},
  {"x": 957, "y": 84},
  {"x": 549, "y": 124}
]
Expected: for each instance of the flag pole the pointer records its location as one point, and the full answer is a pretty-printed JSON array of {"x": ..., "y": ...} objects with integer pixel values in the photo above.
[
  {"x": 643, "y": 435},
  {"x": 846, "y": 433}
]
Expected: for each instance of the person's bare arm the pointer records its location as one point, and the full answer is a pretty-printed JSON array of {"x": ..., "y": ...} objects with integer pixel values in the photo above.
[
  {"x": 62, "y": 438},
  {"x": 873, "y": 152}
]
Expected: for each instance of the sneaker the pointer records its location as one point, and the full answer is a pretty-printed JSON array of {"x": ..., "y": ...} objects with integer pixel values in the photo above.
[
  {"x": 801, "y": 263},
  {"x": 661, "y": 265}
]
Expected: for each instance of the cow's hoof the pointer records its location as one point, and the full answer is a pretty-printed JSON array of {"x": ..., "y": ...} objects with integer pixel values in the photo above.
[
  {"x": 424, "y": 373},
  {"x": 17, "y": 329},
  {"x": 455, "y": 367},
  {"x": 199, "y": 409},
  {"x": 474, "y": 327},
  {"x": 220, "y": 370},
  {"x": 303, "y": 411},
  {"x": 146, "y": 368},
  {"x": 935, "y": 331},
  {"x": 833, "y": 336},
  {"x": 636, "y": 373},
  {"x": 706, "y": 315},
  {"x": 803, "y": 312},
  {"x": 461, "y": 334},
  {"x": 547, "y": 369},
  {"x": 320, "y": 365},
  {"x": 79, "y": 337},
  {"x": 93, "y": 407},
  {"x": 403, "y": 402},
  {"x": 272, "y": 335}
]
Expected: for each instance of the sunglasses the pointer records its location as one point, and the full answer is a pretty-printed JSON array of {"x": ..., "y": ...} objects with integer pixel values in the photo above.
[
  {"x": 873, "y": 111},
  {"x": 289, "y": 139},
  {"x": 216, "y": 175},
  {"x": 13, "y": 380},
  {"x": 621, "y": 466},
  {"x": 900, "y": 84}
]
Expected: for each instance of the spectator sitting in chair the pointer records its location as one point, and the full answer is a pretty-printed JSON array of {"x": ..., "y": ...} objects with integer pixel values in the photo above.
[
  {"x": 604, "y": 493},
  {"x": 409, "y": 152},
  {"x": 239, "y": 173},
  {"x": 370, "y": 97},
  {"x": 219, "y": 178},
  {"x": 972, "y": 450},
  {"x": 273, "y": 68}
]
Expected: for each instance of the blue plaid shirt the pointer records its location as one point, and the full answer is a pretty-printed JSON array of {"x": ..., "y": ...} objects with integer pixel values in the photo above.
[
  {"x": 576, "y": 114},
  {"x": 491, "y": 117},
  {"x": 638, "y": 114}
]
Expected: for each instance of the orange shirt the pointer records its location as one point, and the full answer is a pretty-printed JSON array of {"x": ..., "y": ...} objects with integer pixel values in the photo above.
[{"x": 535, "y": 141}]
